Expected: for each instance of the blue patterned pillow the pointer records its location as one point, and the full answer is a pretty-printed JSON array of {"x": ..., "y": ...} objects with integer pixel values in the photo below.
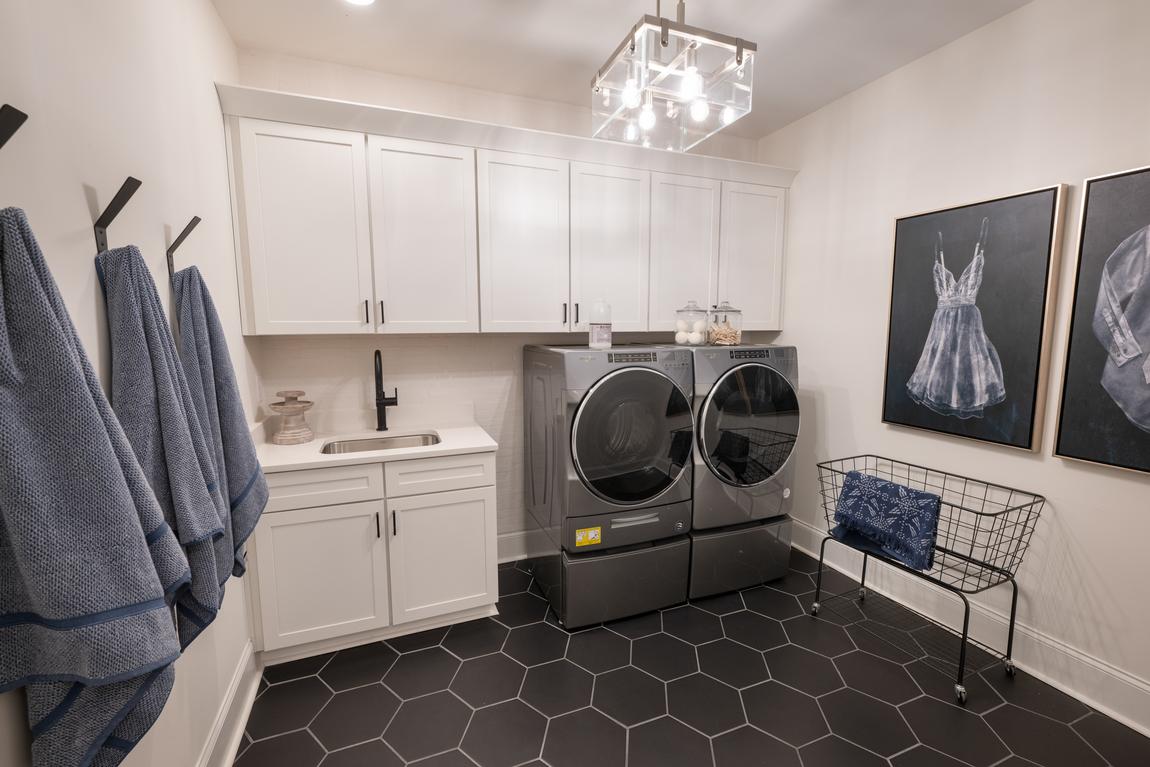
[{"x": 901, "y": 520}]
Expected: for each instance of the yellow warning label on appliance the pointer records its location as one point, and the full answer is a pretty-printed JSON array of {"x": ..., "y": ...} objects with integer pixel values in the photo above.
[{"x": 588, "y": 536}]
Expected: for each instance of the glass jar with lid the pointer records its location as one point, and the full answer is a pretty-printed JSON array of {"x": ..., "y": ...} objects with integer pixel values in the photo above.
[
  {"x": 691, "y": 325},
  {"x": 725, "y": 327}
]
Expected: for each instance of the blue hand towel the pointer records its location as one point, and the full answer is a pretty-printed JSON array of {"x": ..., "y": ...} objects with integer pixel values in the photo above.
[
  {"x": 204, "y": 352},
  {"x": 87, "y": 563},
  {"x": 901, "y": 521},
  {"x": 154, "y": 404}
]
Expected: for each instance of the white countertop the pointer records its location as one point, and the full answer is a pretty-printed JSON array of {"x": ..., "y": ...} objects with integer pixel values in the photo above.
[{"x": 453, "y": 440}]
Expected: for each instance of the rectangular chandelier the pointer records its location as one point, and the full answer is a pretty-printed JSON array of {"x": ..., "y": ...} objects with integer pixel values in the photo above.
[{"x": 670, "y": 85}]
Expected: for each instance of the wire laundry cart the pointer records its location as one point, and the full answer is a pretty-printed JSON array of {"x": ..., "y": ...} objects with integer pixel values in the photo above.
[{"x": 983, "y": 532}]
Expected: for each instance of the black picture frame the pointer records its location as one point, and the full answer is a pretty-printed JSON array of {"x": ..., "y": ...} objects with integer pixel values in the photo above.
[
  {"x": 982, "y": 373},
  {"x": 1103, "y": 400}
]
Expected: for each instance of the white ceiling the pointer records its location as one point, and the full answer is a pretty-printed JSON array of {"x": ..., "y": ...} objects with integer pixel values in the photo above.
[{"x": 810, "y": 51}]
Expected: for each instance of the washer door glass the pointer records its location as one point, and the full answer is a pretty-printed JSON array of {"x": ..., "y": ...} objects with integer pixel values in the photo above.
[
  {"x": 748, "y": 425},
  {"x": 632, "y": 435}
]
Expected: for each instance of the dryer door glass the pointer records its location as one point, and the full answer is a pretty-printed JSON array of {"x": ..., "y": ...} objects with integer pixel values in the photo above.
[
  {"x": 631, "y": 438},
  {"x": 748, "y": 425}
]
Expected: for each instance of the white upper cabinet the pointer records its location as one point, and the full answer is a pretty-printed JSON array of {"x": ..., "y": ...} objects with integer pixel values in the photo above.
[
  {"x": 751, "y": 253},
  {"x": 684, "y": 245},
  {"x": 524, "y": 242},
  {"x": 423, "y": 236},
  {"x": 610, "y": 243},
  {"x": 303, "y": 204}
]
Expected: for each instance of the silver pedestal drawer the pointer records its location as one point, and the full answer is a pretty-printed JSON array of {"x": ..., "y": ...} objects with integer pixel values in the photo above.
[
  {"x": 616, "y": 584},
  {"x": 732, "y": 559}
]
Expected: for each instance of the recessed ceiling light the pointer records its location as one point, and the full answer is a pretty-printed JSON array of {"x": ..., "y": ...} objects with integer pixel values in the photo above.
[{"x": 361, "y": 2}]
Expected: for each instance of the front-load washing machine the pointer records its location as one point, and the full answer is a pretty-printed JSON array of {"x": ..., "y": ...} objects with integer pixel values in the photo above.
[
  {"x": 747, "y": 420},
  {"x": 608, "y": 437}
]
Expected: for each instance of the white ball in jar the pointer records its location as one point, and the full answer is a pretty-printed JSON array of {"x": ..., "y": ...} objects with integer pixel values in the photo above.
[
  {"x": 681, "y": 337},
  {"x": 694, "y": 338},
  {"x": 699, "y": 326},
  {"x": 681, "y": 325}
]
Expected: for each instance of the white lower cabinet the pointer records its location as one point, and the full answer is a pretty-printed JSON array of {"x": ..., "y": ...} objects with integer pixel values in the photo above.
[
  {"x": 338, "y": 568},
  {"x": 322, "y": 573},
  {"x": 443, "y": 553}
]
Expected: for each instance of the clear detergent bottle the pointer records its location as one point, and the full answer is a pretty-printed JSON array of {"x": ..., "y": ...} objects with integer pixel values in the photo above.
[{"x": 599, "y": 325}]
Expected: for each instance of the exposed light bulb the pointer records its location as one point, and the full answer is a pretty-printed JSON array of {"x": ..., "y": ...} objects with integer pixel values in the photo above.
[
  {"x": 647, "y": 115},
  {"x": 691, "y": 86},
  {"x": 699, "y": 110},
  {"x": 631, "y": 94},
  {"x": 727, "y": 115},
  {"x": 632, "y": 132},
  {"x": 360, "y": 2}
]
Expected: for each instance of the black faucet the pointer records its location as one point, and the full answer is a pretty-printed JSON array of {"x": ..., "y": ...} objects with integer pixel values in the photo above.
[{"x": 382, "y": 401}]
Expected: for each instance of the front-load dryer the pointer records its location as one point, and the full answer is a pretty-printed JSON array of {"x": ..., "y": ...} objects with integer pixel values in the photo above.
[
  {"x": 747, "y": 420},
  {"x": 607, "y": 448}
]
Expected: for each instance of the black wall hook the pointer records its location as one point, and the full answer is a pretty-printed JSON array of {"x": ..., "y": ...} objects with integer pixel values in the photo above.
[
  {"x": 11, "y": 119},
  {"x": 178, "y": 242},
  {"x": 127, "y": 189}
]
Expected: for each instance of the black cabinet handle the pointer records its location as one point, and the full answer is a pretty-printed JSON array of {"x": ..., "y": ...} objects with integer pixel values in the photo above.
[
  {"x": 366, "y": 312},
  {"x": 394, "y": 526},
  {"x": 576, "y": 313},
  {"x": 378, "y": 534},
  {"x": 382, "y": 316},
  {"x": 564, "y": 312}
]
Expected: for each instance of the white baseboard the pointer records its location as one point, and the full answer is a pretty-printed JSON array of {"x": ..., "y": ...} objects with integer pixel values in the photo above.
[
  {"x": 522, "y": 544},
  {"x": 1113, "y": 691},
  {"x": 227, "y": 732}
]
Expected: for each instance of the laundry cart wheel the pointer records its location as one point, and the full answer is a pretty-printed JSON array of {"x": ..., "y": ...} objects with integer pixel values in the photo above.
[
  {"x": 1008, "y": 664},
  {"x": 815, "y": 608},
  {"x": 960, "y": 694}
]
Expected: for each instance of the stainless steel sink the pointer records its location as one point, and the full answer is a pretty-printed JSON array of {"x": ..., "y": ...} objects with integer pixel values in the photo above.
[{"x": 379, "y": 443}]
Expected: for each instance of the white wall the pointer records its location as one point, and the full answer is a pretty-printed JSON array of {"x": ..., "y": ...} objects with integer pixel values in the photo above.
[
  {"x": 273, "y": 71},
  {"x": 115, "y": 88},
  {"x": 1054, "y": 92}
]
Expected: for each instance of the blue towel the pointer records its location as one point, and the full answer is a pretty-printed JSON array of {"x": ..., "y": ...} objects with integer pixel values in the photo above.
[
  {"x": 154, "y": 404},
  {"x": 87, "y": 563},
  {"x": 901, "y": 521},
  {"x": 204, "y": 352}
]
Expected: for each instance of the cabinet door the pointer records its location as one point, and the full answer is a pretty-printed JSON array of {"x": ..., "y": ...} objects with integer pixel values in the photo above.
[
  {"x": 423, "y": 236},
  {"x": 610, "y": 243},
  {"x": 684, "y": 245},
  {"x": 322, "y": 573},
  {"x": 524, "y": 242},
  {"x": 751, "y": 253},
  {"x": 442, "y": 553}
]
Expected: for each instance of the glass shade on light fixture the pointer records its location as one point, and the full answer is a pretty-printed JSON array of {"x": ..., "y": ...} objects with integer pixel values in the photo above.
[{"x": 676, "y": 84}]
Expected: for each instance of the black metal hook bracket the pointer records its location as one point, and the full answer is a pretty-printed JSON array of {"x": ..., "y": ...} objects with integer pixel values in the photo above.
[
  {"x": 127, "y": 189},
  {"x": 11, "y": 119},
  {"x": 176, "y": 243}
]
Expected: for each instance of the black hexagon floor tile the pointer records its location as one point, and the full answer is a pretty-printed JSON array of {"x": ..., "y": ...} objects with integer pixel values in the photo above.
[
  {"x": 629, "y": 696},
  {"x": 835, "y": 582},
  {"x": 866, "y": 722},
  {"x": 599, "y": 650},
  {"x": 733, "y": 663},
  {"x": 747, "y": 746},
  {"x": 475, "y": 638},
  {"x": 707, "y": 705},
  {"x": 803, "y": 563},
  {"x": 357, "y": 666},
  {"x": 296, "y": 749},
  {"x": 1041, "y": 740},
  {"x": 557, "y": 688},
  {"x": 535, "y": 644},
  {"x": 488, "y": 679},
  {"x": 692, "y": 624},
  {"x": 772, "y": 603},
  {"x": 836, "y": 752},
  {"x": 663, "y": 656},
  {"x": 504, "y": 735},
  {"x": 789, "y": 715},
  {"x": 602, "y": 686},
  {"x": 288, "y": 706},
  {"x": 876, "y": 676},
  {"x": 756, "y": 631},
  {"x": 427, "y": 725},
  {"x": 354, "y": 716},
  {"x": 374, "y": 753},
  {"x": 585, "y": 737},
  {"x": 802, "y": 669},
  {"x": 421, "y": 672},
  {"x": 664, "y": 742}
]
